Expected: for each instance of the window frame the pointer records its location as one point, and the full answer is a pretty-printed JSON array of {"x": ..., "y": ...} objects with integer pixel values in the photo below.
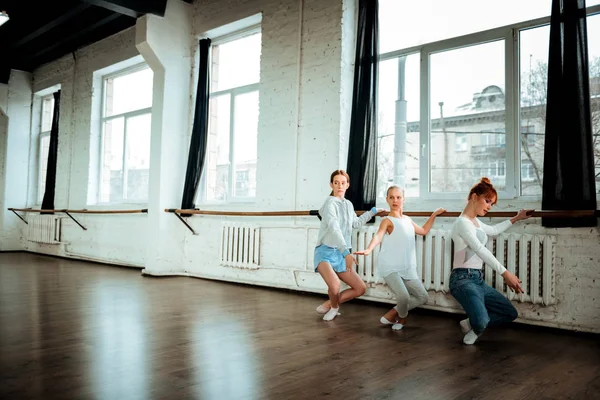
[
  {"x": 126, "y": 116},
  {"x": 233, "y": 93},
  {"x": 511, "y": 37}
]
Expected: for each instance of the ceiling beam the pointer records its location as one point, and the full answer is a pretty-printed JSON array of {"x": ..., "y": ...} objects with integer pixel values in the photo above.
[
  {"x": 73, "y": 37},
  {"x": 132, "y": 8},
  {"x": 50, "y": 25}
]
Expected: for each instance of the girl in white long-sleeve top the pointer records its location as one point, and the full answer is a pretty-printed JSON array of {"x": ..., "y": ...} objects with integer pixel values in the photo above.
[
  {"x": 333, "y": 259},
  {"x": 484, "y": 305},
  {"x": 397, "y": 261}
]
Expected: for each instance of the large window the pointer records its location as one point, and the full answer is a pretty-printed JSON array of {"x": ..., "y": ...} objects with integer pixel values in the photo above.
[
  {"x": 230, "y": 171},
  {"x": 125, "y": 142},
  {"x": 471, "y": 92},
  {"x": 44, "y": 143}
]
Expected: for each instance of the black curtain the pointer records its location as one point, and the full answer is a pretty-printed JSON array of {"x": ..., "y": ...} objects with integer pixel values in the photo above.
[
  {"x": 362, "y": 148},
  {"x": 569, "y": 177},
  {"x": 199, "y": 139},
  {"x": 48, "y": 201}
]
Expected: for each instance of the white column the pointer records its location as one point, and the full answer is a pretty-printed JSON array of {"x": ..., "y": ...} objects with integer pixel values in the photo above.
[
  {"x": 166, "y": 44},
  {"x": 15, "y": 129}
]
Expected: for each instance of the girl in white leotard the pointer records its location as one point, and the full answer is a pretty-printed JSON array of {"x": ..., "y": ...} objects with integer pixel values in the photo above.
[{"x": 397, "y": 261}]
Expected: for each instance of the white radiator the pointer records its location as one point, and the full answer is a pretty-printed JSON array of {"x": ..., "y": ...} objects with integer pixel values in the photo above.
[
  {"x": 44, "y": 229},
  {"x": 240, "y": 245},
  {"x": 530, "y": 257}
]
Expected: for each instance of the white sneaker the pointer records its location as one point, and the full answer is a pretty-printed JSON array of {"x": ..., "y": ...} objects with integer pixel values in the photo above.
[
  {"x": 470, "y": 337},
  {"x": 397, "y": 327},
  {"x": 465, "y": 325}
]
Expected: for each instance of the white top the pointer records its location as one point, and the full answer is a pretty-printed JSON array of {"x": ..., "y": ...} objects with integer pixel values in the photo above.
[
  {"x": 397, "y": 253},
  {"x": 469, "y": 243},
  {"x": 337, "y": 220}
]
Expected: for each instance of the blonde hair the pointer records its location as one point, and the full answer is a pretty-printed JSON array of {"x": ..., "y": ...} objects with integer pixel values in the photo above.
[{"x": 401, "y": 189}]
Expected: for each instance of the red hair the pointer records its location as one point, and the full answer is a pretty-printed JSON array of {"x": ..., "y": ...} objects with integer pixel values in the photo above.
[
  {"x": 336, "y": 173},
  {"x": 484, "y": 188}
]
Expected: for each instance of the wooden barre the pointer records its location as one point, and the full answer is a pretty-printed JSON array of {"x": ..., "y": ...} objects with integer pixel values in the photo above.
[
  {"x": 245, "y": 213},
  {"x": 144, "y": 210},
  {"x": 497, "y": 214}
]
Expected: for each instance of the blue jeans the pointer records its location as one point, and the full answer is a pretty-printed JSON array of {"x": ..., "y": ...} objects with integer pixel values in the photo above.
[{"x": 484, "y": 305}]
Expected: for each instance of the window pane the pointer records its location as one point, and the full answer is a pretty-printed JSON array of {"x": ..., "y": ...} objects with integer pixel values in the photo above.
[
  {"x": 245, "y": 131},
  {"x": 44, "y": 149},
  {"x": 388, "y": 97},
  {"x": 111, "y": 187},
  {"x": 593, "y": 27},
  {"x": 533, "y": 54},
  {"x": 129, "y": 92},
  {"x": 404, "y": 24},
  {"x": 467, "y": 99},
  {"x": 138, "y": 157},
  {"x": 236, "y": 63},
  {"x": 47, "y": 113},
  {"x": 217, "y": 171}
]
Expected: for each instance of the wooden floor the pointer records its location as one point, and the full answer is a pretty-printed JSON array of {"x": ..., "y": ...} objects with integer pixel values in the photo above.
[{"x": 76, "y": 330}]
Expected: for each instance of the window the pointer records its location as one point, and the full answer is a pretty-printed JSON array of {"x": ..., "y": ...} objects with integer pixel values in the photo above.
[
  {"x": 461, "y": 142},
  {"x": 44, "y": 143},
  {"x": 533, "y": 77},
  {"x": 528, "y": 137},
  {"x": 230, "y": 173},
  {"x": 593, "y": 29},
  {"x": 125, "y": 140},
  {"x": 474, "y": 113},
  {"x": 496, "y": 169},
  {"x": 527, "y": 171}
]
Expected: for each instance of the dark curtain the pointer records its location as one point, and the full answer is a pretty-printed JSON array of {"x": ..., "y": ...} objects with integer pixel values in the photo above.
[
  {"x": 362, "y": 148},
  {"x": 48, "y": 201},
  {"x": 199, "y": 139},
  {"x": 569, "y": 177}
]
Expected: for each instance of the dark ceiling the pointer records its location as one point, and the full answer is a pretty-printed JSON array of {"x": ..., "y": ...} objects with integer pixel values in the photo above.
[{"x": 42, "y": 31}]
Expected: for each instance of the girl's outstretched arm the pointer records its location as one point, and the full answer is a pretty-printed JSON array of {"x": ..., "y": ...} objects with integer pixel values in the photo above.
[
  {"x": 424, "y": 230},
  {"x": 377, "y": 238},
  {"x": 357, "y": 222}
]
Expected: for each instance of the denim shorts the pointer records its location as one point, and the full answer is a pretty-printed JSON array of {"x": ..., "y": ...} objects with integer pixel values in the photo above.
[{"x": 330, "y": 255}]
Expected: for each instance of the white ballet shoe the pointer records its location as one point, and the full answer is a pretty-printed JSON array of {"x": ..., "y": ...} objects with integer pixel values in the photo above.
[
  {"x": 465, "y": 325},
  {"x": 331, "y": 314},
  {"x": 471, "y": 337},
  {"x": 397, "y": 327}
]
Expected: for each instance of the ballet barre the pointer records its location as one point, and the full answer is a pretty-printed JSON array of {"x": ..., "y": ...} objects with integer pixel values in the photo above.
[
  {"x": 69, "y": 212},
  {"x": 448, "y": 214}
]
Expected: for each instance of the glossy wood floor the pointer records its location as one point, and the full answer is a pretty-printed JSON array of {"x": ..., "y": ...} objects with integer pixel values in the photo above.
[{"x": 76, "y": 330}]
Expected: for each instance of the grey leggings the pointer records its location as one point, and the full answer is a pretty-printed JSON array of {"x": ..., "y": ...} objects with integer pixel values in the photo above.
[{"x": 410, "y": 293}]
